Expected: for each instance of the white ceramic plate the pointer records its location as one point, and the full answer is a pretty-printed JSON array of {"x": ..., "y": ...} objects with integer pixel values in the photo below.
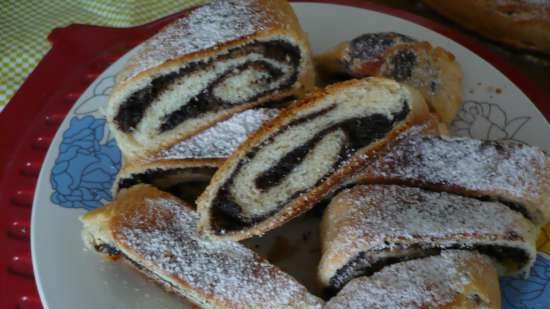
[{"x": 83, "y": 160}]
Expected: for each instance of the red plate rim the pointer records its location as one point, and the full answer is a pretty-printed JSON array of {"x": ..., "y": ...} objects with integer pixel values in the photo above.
[{"x": 35, "y": 112}]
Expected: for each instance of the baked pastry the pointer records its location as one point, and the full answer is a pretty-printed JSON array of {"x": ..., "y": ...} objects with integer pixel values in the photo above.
[
  {"x": 514, "y": 174},
  {"x": 185, "y": 178},
  {"x": 156, "y": 233},
  {"x": 300, "y": 156},
  {"x": 453, "y": 280},
  {"x": 522, "y": 24},
  {"x": 431, "y": 70},
  {"x": 361, "y": 56},
  {"x": 194, "y": 159},
  {"x": 368, "y": 227},
  {"x": 220, "y": 59}
]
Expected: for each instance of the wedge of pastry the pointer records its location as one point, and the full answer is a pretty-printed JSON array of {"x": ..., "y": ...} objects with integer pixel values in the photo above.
[
  {"x": 156, "y": 233},
  {"x": 453, "y": 280},
  {"x": 303, "y": 154},
  {"x": 220, "y": 59},
  {"x": 368, "y": 227},
  {"x": 515, "y": 174},
  {"x": 432, "y": 70},
  {"x": 193, "y": 160}
]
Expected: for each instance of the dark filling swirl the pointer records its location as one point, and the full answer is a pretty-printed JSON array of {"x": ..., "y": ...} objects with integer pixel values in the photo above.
[
  {"x": 371, "y": 45},
  {"x": 364, "y": 265},
  {"x": 359, "y": 131},
  {"x": 185, "y": 183},
  {"x": 133, "y": 109}
]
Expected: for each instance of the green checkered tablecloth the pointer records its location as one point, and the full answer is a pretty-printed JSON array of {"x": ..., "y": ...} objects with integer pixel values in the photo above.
[{"x": 25, "y": 25}]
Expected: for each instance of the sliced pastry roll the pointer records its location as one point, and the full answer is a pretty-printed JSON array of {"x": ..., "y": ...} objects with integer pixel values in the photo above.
[
  {"x": 432, "y": 70},
  {"x": 185, "y": 178},
  {"x": 515, "y": 174},
  {"x": 156, "y": 233},
  {"x": 368, "y": 227},
  {"x": 193, "y": 161},
  {"x": 303, "y": 154},
  {"x": 220, "y": 59},
  {"x": 453, "y": 280}
]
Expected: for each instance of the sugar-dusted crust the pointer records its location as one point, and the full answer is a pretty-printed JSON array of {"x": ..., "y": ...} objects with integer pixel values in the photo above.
[
  {"x": 436, "y": 75},
  {"x": 203, "y": 34},
  {"x": 522, "y": 24},
  {"x": 372, "y": 224},
  {"x": 509, "y": 172},
  {"x": 452, "y": 280},
  {"x": 208, "y": 30},
  {"x": 431, "y": 70},
  {"x": 196, "y": 158},
  {"x": 220, "y": 140},
  {"x": 157, "y": 233},
  {"x": 418, "y": 116}
]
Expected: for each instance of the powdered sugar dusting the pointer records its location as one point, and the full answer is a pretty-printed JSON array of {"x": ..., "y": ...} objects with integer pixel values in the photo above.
[
  {"x": 507, "y": 171},
  {"x": 222, "y": 139},
  {"x": 225, "y": 272},
  {"x": 384, "y": 217},
  {"x": 205, "y": 27},
  {"x": 366, "y": 224},
  {"x": 426, "y": 283}
]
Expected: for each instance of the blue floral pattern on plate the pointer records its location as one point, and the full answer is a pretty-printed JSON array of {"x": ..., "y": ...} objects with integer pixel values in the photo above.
[
  {"x": 86, "y": 167},
  {"x": 530, "y": 293},
  {"x": 89, "y": 160}
]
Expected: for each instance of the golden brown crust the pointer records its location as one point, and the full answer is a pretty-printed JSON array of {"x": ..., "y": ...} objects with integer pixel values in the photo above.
[
  {"x": 100, "y": 223},
  {"x": 126, "y": 201},
  {"x": 140, "y": 154},
  {"x": 521, "y": 24},
  {"x": 447, "y": 102},
  {"x": 281, "y": 21},
  {"x": 330, "y": 62},
  {"x": 371, "y": 224},
  {"x": 157, "y": 233},
  {"x": 276, "y": 19},
  {"x": 512, "y": 173},
  {"x": 431, "y": 70},
  {"x": 418, "y": 116},
  {"x": 483, "y": 283}
]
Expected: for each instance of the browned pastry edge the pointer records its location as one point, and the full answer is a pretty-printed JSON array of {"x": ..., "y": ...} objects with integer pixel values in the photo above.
[
  {"x": 520, "y": 24},
  {"x": 442, "y": 91},
  {"x": 283, "y": 22},
  {"x": 419, "y": 116},
  {"x": 106, "y": 230}
]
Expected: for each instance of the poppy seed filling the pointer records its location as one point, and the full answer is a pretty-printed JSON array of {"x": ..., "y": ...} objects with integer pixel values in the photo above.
[
  {"x": 273, "y": 78},
  {"x": 364, "y": 264},
  {"x": 352, "y": 134},
  {"x": 154, "y": 176}
]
